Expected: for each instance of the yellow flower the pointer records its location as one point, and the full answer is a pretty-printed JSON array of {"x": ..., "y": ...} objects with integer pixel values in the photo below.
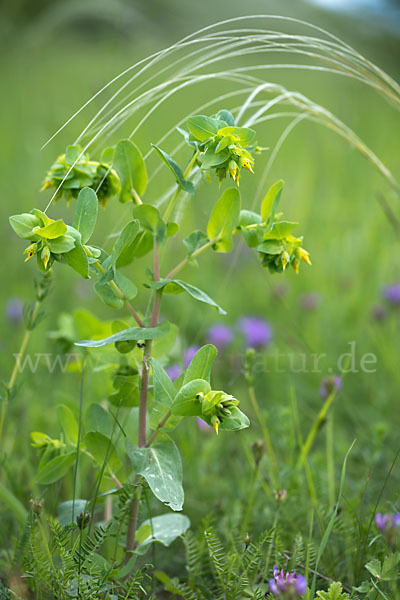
[
  {"x": 233, "y": 170},
  {"x": 304, "y": 255},
  {"x": 30, "y": 251},
  {"x": 246, "y": 164},
  {"x": 46, "y": 256}
]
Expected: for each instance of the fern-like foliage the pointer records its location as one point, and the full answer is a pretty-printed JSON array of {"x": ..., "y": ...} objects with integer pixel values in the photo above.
[{"x": 66, "y": 564}]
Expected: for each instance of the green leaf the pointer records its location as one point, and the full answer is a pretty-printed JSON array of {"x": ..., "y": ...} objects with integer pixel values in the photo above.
[
  {"x": 195, "y": 240},
  {"x": 389, "y": 568},
  {"x": 174, "y": 286},
  {"x": 126, "y": 382},
  {"x": 127, "y": 287},
  {"x": 107, "y": 294},
  {"x": 335, "y": 592},
  {"x": 172, "y": 229},
  {"x": 102, "y": 449},
  {"x": 163, "y": 529},
  {"x": 252, "y": 236},
  {"x": 245, "y": 134},
  {"x": 149, "y": 218},
  {"x": 98, "y": 420},
  {"x": 161, "y": 467},
  {"x": 24, "y": 224},
  {"x": 107, "y": 156},
  {"x": 225, "y": 115},
  {"x": 163, "y": 388},
  {"x": 72, "y": 154},
  {"x": 201, "y": 364},
  {"x": 44, "y": 219},
  {"x": 270, "y": 202},
  {"x": 131, "y": 168},
  {"x": 123, "y": 250},
  {"x": 186, "y": 404},
  {"x": 52, "y": 231},
  {"x": 9, "y": 500},
  {"x": 223, "y": 143},
  {"x": 364, "y": 588},
  {"x": 68, "y": 423},
  {"x": 237, "y": 420},
  {"x": 56, "y": 468},
  {"x": 85, "y": 215},
  {"x": 186, "y": 185},
  {"x": 386, "y": 571},
  {"x": 69, "y": 510},
  {"x": 78, "y": 260},
  {"x": 134, "y": 333},
  {"x": 280, "y": 230},
  {"x": 143, "y": 245},
  {"x": 163, "y": 346},
  {"x": 271, "y": 247},
  {"x": 214, "y": 159},
  {"x": 223, "y": 220},
  {"x": 158, "y": 413},
  {"x": 62, "y": 245},
  {"x": 202, "y": 127}
]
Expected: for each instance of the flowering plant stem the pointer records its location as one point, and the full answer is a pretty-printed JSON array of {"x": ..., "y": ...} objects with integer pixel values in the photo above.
[
  {"x": 134, "y": 511},
  {"x": 116, "y": 289}
]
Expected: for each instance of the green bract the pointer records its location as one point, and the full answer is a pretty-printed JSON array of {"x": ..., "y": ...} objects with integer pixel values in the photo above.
[
  {"x": 74, "y": 170},
  {"x": 50, "y": 239},
  {"x": 271, "y": 236},
  {"x": 222, "y": 146}
]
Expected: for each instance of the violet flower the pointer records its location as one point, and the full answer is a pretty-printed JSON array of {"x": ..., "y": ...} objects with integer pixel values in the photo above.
[
  {"x": 287, "y": 585},
  {"x": 188, "y": 355},
  {"x": 391, "y": 293},
  {"x": 386, "y": 522},
  {"x": 14, "y": 310},
  {"x": 257, "y": 332},
  {"x": 173, "y": 371},
  {"x": 219, "y": 335},
  {"x": 330, "y": 384}
]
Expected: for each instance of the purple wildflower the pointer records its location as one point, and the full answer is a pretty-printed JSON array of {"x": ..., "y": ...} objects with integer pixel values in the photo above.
[
  {"x": 329, "y": 385},
  {"x": 387, "y": 522},
  {"x": 282, "y": 584},
  {"x": 219, "y": 335},
  {"x": 188, "y": 355},
  {"x": 173, "y": 371},
  {"x": 391, "y": 293},
  {"x": 310, "y": 301},
  {"x": 381, "y": 521},
  {"x": 257, "y": 332},
  {"x": 14, "y": 310},
  {"x": 396, "y": 520}
]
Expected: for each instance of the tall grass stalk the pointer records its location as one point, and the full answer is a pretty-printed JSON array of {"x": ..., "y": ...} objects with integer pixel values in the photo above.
[{"x": 151, "y": 82}]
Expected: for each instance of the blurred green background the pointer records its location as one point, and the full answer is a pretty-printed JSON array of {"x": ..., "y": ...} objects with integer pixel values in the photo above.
[{"x": 55, "y": 55}]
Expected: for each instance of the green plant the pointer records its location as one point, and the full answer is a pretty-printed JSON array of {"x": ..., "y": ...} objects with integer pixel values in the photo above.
[{"x": 139, "y": 378}]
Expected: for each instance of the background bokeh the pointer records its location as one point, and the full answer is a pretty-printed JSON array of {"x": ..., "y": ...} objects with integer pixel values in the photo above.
[{"x": 55, "y": 55}]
